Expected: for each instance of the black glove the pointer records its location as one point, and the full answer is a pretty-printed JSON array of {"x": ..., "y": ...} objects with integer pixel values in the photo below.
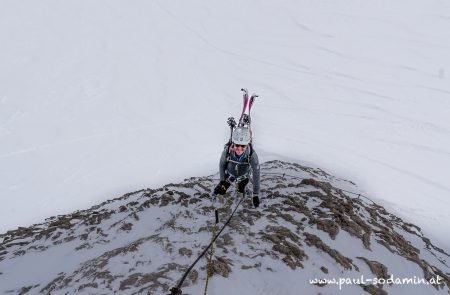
[
  {"x": 221, "y": 188},
  {"x": 255, "y": 201}
]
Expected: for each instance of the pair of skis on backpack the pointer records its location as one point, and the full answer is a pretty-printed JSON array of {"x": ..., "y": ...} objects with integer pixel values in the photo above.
[{"x": 244, "y": 119}]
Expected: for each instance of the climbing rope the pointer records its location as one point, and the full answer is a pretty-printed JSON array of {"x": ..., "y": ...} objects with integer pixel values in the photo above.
[
  {"x": 177, "y": 290},
  {"x": 209, "y": 269}
]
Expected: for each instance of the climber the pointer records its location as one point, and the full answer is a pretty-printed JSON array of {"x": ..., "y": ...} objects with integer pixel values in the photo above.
[{"x": 238, "y": 161}]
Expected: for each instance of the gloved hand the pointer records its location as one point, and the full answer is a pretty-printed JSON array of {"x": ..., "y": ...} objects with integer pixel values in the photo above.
[
  {"x": 221, "y": 188},
  {"x": 255, "y": 201}
]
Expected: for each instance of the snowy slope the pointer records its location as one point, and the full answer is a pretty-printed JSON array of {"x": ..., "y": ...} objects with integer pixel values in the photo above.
[
  {"x": 306, "y": 228},
  {"x": 99, "y": 98}
]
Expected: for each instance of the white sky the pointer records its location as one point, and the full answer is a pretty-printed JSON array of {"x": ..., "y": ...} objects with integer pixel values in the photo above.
[{"x": 99, "y": 98}]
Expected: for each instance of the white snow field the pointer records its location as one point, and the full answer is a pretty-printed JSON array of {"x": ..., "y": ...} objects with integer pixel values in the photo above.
[{"x": 99, "y": 98}]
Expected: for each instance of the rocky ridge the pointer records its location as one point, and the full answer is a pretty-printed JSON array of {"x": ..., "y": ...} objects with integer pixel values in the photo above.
[{"x": 309, "y": 224}]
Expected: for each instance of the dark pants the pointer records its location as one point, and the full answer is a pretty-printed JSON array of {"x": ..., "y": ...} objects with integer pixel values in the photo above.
[{"x": 240, "y": 185}]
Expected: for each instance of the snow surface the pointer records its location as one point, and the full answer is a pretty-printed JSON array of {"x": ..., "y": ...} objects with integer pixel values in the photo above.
[{"x": 99, "y": 98}]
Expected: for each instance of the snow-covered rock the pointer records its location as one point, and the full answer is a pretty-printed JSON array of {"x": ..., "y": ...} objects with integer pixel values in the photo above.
[{"x": 310, "y": 226}]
